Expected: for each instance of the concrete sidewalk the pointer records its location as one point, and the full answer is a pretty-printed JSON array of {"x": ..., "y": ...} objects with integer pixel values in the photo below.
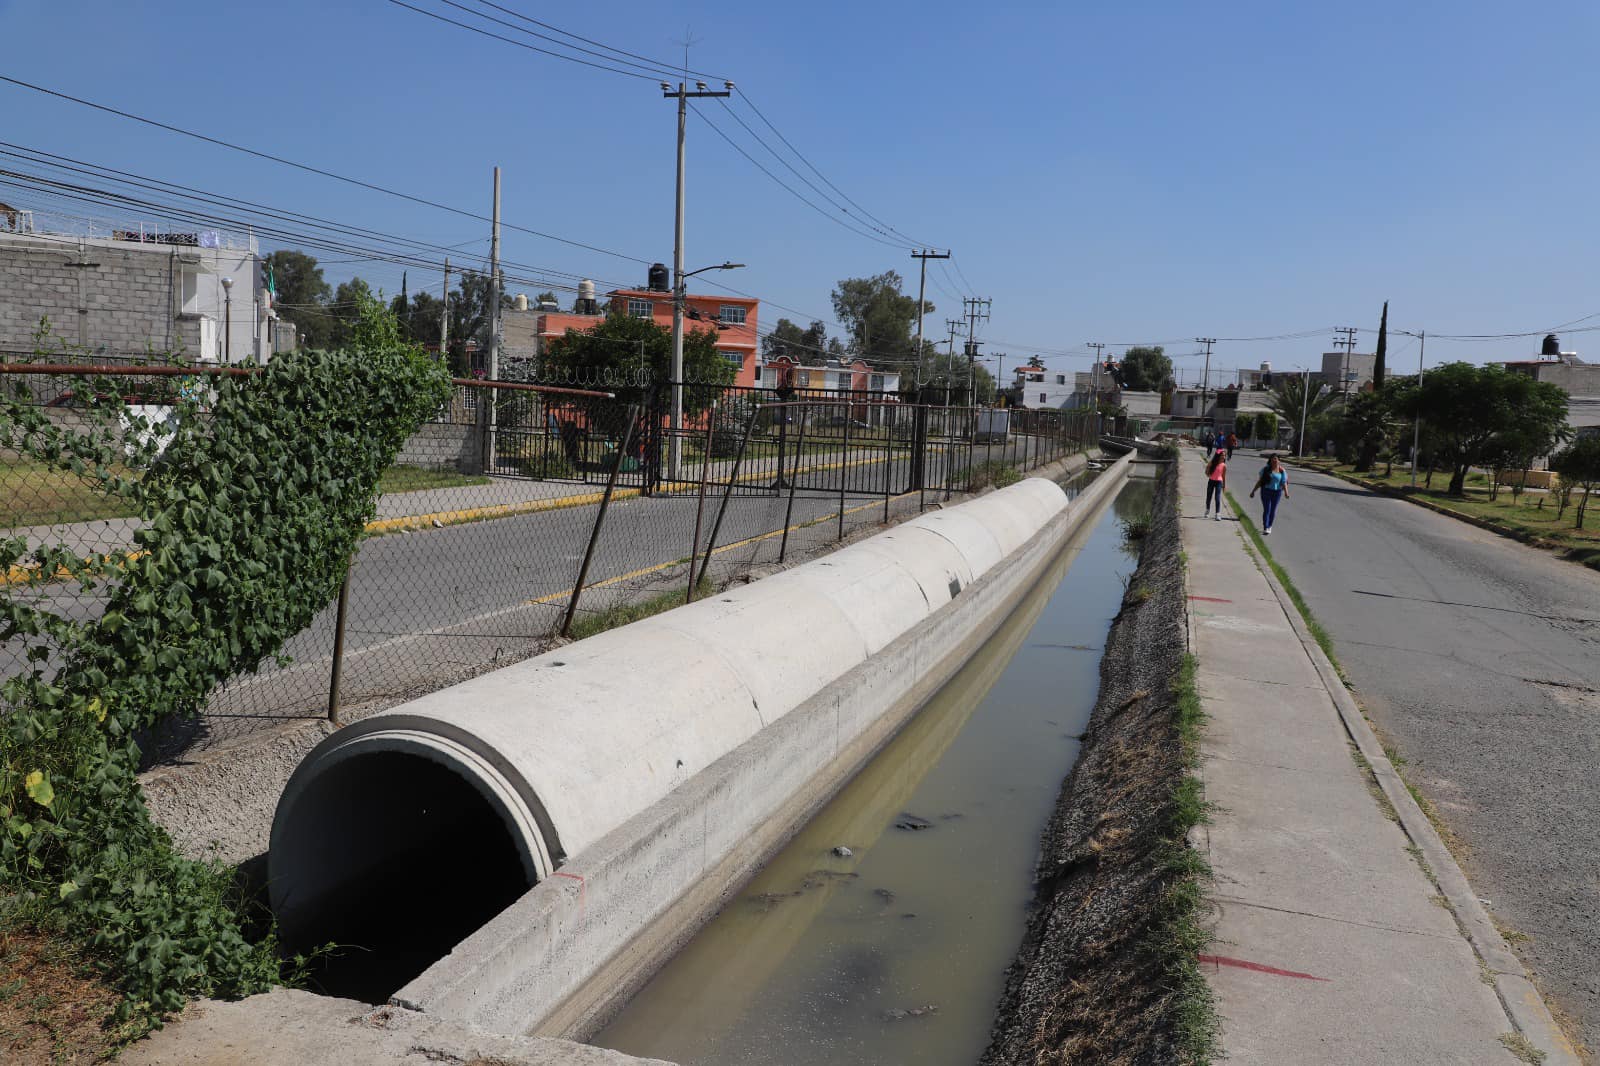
[{"x": 1345, "y": 931}]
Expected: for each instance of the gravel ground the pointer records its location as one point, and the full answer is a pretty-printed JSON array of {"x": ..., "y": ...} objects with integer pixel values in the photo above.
[
  {"x": 1479, "y": 659},
  {"x": 1084, "y": 987}
]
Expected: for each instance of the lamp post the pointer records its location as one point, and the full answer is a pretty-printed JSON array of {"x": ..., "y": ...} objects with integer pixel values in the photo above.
[
  {"x": 680, "y": 292},
  {"x": 1305, "y": 406},
  {"x": 227, "y": 320}
]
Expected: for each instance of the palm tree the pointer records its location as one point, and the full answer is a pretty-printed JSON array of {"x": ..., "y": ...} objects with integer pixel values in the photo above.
[{"x": 1288, "y": 400}]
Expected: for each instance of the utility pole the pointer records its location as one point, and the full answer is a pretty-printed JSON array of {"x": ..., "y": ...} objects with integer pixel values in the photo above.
[
  {"x": 1205, "y": 375},
  {"x": 683, "y": 95},
  {"x": 977, "y": 308},
  {"x": 1347, "y": 341},
  {"x": 1416, "y": 423},
  {"x": 953, "y": 325},
  {"x": 444, "y": 317},
  {"x": 486, "y": 411},
  {"x": 922, "y": 289},
  {"x": 1094, "y": 388}
]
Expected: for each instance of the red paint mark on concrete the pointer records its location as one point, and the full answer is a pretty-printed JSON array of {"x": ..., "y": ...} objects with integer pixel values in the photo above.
[
  {"x": 1210, "y": 599},
  {"x": 1223, "y": 960},
  {"x": 582, "y": 888}
]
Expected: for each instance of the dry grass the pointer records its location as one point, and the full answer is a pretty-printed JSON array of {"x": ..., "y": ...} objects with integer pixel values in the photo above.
[{"x": 53, "y": 1006}]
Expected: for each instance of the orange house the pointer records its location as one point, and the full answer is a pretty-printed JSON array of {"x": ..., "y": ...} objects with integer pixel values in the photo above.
[{"x": 733, "y": 318}]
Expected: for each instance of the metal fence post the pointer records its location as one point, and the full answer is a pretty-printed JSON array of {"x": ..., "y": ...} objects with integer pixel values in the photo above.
[
  {"x": 599, "y": 520},
  {"x": 799, "y": 450},
  {"x": 727, "y": 491},
  {"x": 337, "y": 676},
  {"x": 700, "y": 504},
  {"x": 844, "y": 472}
]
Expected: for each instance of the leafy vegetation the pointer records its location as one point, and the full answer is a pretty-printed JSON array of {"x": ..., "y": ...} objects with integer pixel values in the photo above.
[
  {"x": 1142, "y": 369},
  {"x": 249, "y": 513},
  {"x": 1579, "y": 465}
]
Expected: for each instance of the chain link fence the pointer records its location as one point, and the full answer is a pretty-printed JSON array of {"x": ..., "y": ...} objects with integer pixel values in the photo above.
[{"x": 524, "y": 511}]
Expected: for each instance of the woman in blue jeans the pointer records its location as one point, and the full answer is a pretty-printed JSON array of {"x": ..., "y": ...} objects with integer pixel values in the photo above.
[{"x": 1273, "y": 485}]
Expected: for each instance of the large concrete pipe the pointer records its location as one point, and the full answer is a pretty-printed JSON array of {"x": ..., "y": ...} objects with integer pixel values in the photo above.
[{"x": 405, "y": 832}]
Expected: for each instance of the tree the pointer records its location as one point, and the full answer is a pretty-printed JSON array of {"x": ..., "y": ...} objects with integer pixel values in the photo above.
[
  {"x": 1288, "y": 400},
  {"x": 1244, "y": 424},
  {"x": 879, "y": 317},
  {"x": 546, "y": 297},
  {"x": 808, "y": 345},
  {"x": 1144, "y": 370},
  {"x": 1367, "y": 427},
  {"x": 1467, "y": 407},
  {"x": 303, "y": 295},
  {"x": 349, "y": 300},
  {"x": 628, "y": 355},
  {"x": 1372, "y": 442},
  {"x": 1579, "y": 463}
]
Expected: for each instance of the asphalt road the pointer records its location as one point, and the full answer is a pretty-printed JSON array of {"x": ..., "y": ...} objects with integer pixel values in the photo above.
[{"x": 1479, "y": 658}]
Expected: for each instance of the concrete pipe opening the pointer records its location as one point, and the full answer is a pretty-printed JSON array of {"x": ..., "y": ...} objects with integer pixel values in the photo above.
[{"x": 395, "y": 846}]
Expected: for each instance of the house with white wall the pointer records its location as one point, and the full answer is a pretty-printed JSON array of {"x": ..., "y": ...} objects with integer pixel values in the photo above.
[{"x": 126, "y": 288}]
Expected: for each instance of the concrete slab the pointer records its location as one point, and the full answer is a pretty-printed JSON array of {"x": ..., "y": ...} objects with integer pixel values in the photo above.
[
  {"x": 1332, "y": 943},
  {"x": 291, "y": 1028},
  {"x": 1348, "y": 993}
]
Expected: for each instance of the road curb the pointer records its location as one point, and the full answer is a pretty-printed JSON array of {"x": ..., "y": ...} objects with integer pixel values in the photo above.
[
  {"x": 1555, "y": 548},
  {"x": 1523, "y": 1004}
]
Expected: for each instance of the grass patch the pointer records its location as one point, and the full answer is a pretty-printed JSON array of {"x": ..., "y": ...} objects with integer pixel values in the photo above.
[
  {"x": 1182, "y": 933},
  {"x": 623, "y": 613},
  {"x": 990, "y": 472},
  {"x": 416, "y": 478},
  {"x": 55, "y": 1005},
  {"x": 1530, "y": 518},
  {"x": 1522, "y": 1048},
  {"x": 1320, "y": 635},
  {"x": 33, "y": 494}
]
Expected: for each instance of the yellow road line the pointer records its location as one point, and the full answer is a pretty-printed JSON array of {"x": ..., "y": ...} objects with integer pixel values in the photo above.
[
  {"x": 25, "y": 575},
  {"x": 830, "y": 517}
]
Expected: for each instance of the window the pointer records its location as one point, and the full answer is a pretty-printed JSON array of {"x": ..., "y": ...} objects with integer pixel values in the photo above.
[
  {"x": 802, "y": 378},
  {"x": 730, "y": 314},
  {"x": 876, "y": 383},
  {"x": 638, "y": 308},
  {"x": 1061, "y": 379},
  {"x": 736, "y": 359},
  {"x": 1188, "y": 401},
  {"x": 1041, "y": 398},
  {"x": 846, "y": 382}
]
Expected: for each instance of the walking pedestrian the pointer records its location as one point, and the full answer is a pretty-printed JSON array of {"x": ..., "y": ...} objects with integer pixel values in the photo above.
[
  {"x": 1233, "y": 442},
  {"x": 1208, "y": 442},
  {"x": 1216, "y": 483},
  {"x": 1273, "y": 484}
]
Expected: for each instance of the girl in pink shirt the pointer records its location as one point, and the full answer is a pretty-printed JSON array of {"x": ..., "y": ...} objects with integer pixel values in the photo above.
[{"x": 1216, "y": 482}]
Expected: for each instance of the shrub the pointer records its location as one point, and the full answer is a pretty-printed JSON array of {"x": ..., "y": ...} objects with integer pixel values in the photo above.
[
  {"x": 248, "y": 519},
  {"x": 1266, "y": 425},
  {"x": 1244, "y": 425}
]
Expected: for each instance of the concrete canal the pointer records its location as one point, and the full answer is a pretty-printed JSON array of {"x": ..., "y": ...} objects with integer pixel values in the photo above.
[{"x": 882, "y": 932}]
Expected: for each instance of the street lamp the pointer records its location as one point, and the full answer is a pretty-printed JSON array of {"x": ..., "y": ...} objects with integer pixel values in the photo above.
[
  {"x": 227, "y": 320},
  {"x": 1305, "y": 406},
  {"x": 680, "y": 292}
]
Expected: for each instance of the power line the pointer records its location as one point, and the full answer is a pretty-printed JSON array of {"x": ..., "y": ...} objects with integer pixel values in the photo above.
[
  {"x": 597, "y": 44},
  {"x": 311, "y": 169},
  {"x": 752, "y": 105},
  {"x": 514, "y": 41},
  {"x": 835, "y": 219}
]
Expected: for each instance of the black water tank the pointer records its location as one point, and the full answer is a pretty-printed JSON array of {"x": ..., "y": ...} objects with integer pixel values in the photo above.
[
  {"x": 1551, "y": 349},
  {"x": 660, "y": 278}
]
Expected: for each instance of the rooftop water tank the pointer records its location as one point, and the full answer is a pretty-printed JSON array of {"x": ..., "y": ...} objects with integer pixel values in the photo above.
[
  {"x": 1551, "y": 348},
  {"x": 660, "y": 278},
  {"x": 521, "y": 302}
]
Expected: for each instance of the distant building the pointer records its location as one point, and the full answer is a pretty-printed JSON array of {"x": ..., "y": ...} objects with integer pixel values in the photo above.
[
  {"x": 1348, "y": 371},
  {"x": 833, "y": 375},
  {"x": 732, "y": 318},
  {"x": 1580, "y": 380},
  {"x": 126, "y": 288}
]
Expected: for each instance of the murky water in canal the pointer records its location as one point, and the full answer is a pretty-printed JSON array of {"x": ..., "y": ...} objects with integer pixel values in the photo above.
[{"x": 897, "y": 953}]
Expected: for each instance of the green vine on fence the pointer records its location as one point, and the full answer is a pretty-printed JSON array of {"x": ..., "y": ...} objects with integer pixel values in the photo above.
[{"x": 251, "y": 495}]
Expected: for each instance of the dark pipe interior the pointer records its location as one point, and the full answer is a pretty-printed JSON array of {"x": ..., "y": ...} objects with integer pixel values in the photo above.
[{"x": 395, "y": 859}]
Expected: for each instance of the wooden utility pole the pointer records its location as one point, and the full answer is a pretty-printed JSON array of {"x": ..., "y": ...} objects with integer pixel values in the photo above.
[
  {"x": 977, "y": 309},
  {"x": 1205, "y": 375},
  {"x": 444, "y": 317},
  {"x": 922, "y": 291}
]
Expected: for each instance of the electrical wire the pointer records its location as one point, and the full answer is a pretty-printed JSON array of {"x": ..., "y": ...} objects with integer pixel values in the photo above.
[
  {"x": 311, "y": 169},
  {"x": 514, "y": 41},
  {"x": 835, "y": 219},
  {"x": 674, "y": 70}
]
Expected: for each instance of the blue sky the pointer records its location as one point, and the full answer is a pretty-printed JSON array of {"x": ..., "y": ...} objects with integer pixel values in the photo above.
[{"x": 1121, "y": 173}]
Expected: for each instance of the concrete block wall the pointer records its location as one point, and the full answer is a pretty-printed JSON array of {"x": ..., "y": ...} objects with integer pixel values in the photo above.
[
  {"x": 123, "y": 303},
  {"x": 443, "y": 446}
]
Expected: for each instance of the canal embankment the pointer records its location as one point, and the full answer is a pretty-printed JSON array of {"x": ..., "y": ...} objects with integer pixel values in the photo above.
[{"x": 1107, "y": 970}]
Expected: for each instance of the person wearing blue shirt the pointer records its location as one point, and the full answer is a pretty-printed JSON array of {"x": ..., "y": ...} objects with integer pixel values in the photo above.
[{"x": 1273, "y": 484}]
